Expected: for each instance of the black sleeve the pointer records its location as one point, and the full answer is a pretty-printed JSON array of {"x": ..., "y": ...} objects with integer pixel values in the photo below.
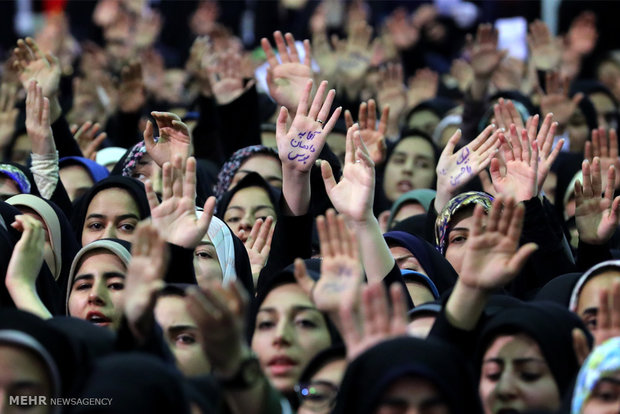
[
  {"x": 123, "y": 129},
  {"x": 61, "y": 199},
  {"x": 466, "y": 341},
  {"x": 153, "y": 344},
  {"x": 240, "y": 122},
  {"x": 181, "y": 265},
  {"x": 66, "y": 145},
  {"x": 207, "y": 133},
  {"x": 589, "y": 255}
]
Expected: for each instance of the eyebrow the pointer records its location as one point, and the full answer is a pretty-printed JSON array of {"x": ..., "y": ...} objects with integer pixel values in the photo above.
[
  {"x": 296, "y": 309},
  {"x": 590, "y": 311},
  {"x": 175, "y": 329},
  {"x": 611, "y": 380},
  {"x": 515, "y": 360},
  {"x": 90, "y": 276},
  {"x": 255, "y": 209},
  {"x": 121, "y": 217}
]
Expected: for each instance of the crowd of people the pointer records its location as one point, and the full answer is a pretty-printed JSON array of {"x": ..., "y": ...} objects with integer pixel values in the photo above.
[{"x": 392, "y": 215}]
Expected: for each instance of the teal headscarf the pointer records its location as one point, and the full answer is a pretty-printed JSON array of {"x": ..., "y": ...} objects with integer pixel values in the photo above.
[
  {"x": 423, "y": 196},
  {"x": 603, "y": 361}
]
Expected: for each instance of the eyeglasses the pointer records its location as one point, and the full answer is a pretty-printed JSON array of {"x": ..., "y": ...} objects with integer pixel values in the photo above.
[{"x": 317, "y": 395}]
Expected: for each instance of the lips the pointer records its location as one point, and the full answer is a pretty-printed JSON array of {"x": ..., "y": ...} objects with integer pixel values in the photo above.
[
  {"x": 281, "y": 365},
  {"x": 508, "y": 411},
  {"x": 98, "y": 318},
  {"x": 404, "y": 186}
]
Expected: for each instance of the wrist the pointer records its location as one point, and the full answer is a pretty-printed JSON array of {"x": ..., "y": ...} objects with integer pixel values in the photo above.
[{"x": 55, "y": 108}]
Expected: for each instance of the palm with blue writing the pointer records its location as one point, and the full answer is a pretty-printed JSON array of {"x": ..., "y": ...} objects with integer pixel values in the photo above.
[
  {"x": 353, "y": 196},
  {"x": 455, "y": 169},
  {"x": 300, "y": 145}
]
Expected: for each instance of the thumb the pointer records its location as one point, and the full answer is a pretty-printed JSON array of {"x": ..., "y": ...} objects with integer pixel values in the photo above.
[{"x": 301, "y": 276}]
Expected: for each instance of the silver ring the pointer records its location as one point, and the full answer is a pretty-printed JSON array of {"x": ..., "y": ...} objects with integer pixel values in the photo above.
[{"x": 319, "y": 121}]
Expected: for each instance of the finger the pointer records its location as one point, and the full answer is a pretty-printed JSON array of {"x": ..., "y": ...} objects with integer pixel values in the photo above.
[
  {"x": 506, "y": 216},
  {"x": 304, "y": 281},
  {"x": 328, "y": 177},
  {"x": 525, "y": 143},
  {"x": 324, "y": 242},
  {"x": 597, "y": 183},
  {"x": 332, "y": 230},
  {"x": 587, "y": 180},
  {"x": 482, "y": 138},
  {"x": 580, "y": 345},
  {"x": 516, "y": 222},
  {"x": 207, "y": 213},
  {"x": 189, "y": 184},
  {"x": 35, "y": 48},
  {"x": 149, "y": 140},
  {"x": 348, "y": 119},
  {"x": 281, "y": 46},
  {"x": 515, "y": 141},
  {"x": 349, "y": 155},
  {"x": 399, "y": 319},
  {"x": 494, "y": 215},
  {"x": 344, "y": 237},
  {"x": 588, "y": 151},
  {"x": 372, "y": 115},
  {"x": 332, "y": 121},
  {"x": 611, "y": 183},
  {"x": 613, "y": 144},
  {"x": 615, "y": 306},
  {"x": 327, "y": 106},
  {"x": 604, "y": 143},
  {"x": 451, "y": 144},
  {"x": 476, "y": 229},
  {"x": 350, "y": 332},
  {"x": 379, "y": 319},
  {"x": 494, "y": 170},
  {"x": 308, "y": 53},
  {"x": 281, "y": 122},
  {"x": 383, "y": 122},
  {"x": 363, "y": 116},
  {"x": 507, "y": 151},
  {"x": 177, "y": 176},
  {"x": 303, "y": 100},
  {"x": 271, "y": 57},
  {"x": 166, "y": 181},
  {"x": 519, "y": 259},
  {"x": 596, "y": 148},
  {"x": 249, "y": 243},
  {"x": 603, "y": 318},
  {"x": 318, "y": 100},
  {"x": 150, "y": 195},
  {"x": 292, "y": 49}
]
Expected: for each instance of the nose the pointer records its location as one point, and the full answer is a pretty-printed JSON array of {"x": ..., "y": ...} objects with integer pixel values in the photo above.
[
  {"x": 506, "y": 388},
  {"x": 246, "y": 223},
  {"x": 408, "y": 166},
  {"x": 110, "y": 232},
  {"x": 96, "y": 294},
  {"x": 283, "y": 334}
]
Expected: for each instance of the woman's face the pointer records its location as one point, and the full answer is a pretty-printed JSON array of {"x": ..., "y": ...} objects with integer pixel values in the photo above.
[
  {"x": 207, "y": 265},
  {"x": 412, "y": 395},
  {"x": 424, "y": 120},
  {"x": 605, "y": 397},
  {"x": 406, "y": 260},
  {"x": 246, "y": 206},
  {"x": 515, "y": 376},
  {"x": 411, "y": 166},
  {"x": 407, "y": 210},
  {"x": 264, "y": 165},
  {"x": 578, "y": 131},
  {"x": 588, "y": 301},
  {"x": 112, "y": 213},
  {"x": 324, "y": 385},
  {"x": 460, "y": 227},
  {"x": 182, "y": 335},
  {"x": 289, "y": 332},
  {"x": 98, "y": 289}
]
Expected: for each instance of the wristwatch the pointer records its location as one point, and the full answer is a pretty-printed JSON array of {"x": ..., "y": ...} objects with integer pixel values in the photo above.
[{"x": 247, "y": 375}]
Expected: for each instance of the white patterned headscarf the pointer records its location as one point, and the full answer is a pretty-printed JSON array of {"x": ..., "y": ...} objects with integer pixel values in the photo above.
[{"x": 222, "y": 239}]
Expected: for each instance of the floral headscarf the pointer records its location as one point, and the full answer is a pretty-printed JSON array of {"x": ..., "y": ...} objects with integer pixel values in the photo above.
[
  {"x": 16, "y": 175},
  {"x": 133, "y": 158},
  {"x": 603, "y": 361},
  {"x": 442, "y": 223},
  {"x": 230, "y": 167}
]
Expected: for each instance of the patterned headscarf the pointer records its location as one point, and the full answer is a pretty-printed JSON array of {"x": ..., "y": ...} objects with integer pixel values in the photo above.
[
  {"x": 16, "y": 175},
  {"x": 133, "y": 158},
  {"x": 222, "y": 240},
  {"x": 230, "y": 167},
  {"x": 442, "y": 224},
  {"x": 603, "y": 361}
]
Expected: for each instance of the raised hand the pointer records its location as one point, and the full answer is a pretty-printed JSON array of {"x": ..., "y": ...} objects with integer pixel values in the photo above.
[
  {"x": 608, "y": 316},
  {"x": 32, "y": 64},
  {"x": 605, "y": 148},
  {"x": 422, "y": 86},
  {"x": 582, "y": 35},
  {"x": 131, "y": 91},
  {"x": 300, "y": 146},
  {"x": 25, "y": 265},
  {"x": 492, "y": 256},
  {"x": 176, "y": 216},
  {"x": 454, "y": 170},
  {"x": 514, "y": 172},
  {"x": 175, "y": 139},
  {"x": 287, "y": 79},
  {"x": 353, "y": 195},
  {"x": 372, "y": 135},
  {"x": 391, "y": 92},
  {"x": 463, "y": 73},
  {"x": 545, "y": 50},
  {"x": 226, "y": 77},
  {"x": 485, "y": 58},
  {"x": 144, "y": 279},
  {"x": 8, "y": 113},
  {"x": 355, "y": 53},
  {"x": 258, "y": 245},
  {"x": 201, "y": 48},
  {"x": 375, "y": 321},
  {"x": 89, "y": 137},
  {"x": 556, "y": 99},
  {"x": 38, "y": 121},
  {"x": 402, "y": 30},
  {"x": 219, "y": 313},
  {"x": 596, "y": 217},
  {"x": 325, "y": 56},
  {"x": 341, "y": 269}
]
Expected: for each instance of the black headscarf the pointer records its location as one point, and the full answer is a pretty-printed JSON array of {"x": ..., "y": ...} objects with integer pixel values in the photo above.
[
  {"x": 550, "y": 326},
  {"x": 435, "y": 265},
  {"x": 134, "y": 187},
  {"x": 250, "y": 180},
  {"x": 370, "y": 374},
  {"x": 333, "y": 353},
  {"x": 135, "y": 383},
  {"x": 559, "y": 289}
]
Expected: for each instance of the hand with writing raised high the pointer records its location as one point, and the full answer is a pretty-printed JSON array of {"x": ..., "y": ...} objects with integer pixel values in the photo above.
[
  {"x": 300, "y": 146},
  {"x": 454, "y": 170}
]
